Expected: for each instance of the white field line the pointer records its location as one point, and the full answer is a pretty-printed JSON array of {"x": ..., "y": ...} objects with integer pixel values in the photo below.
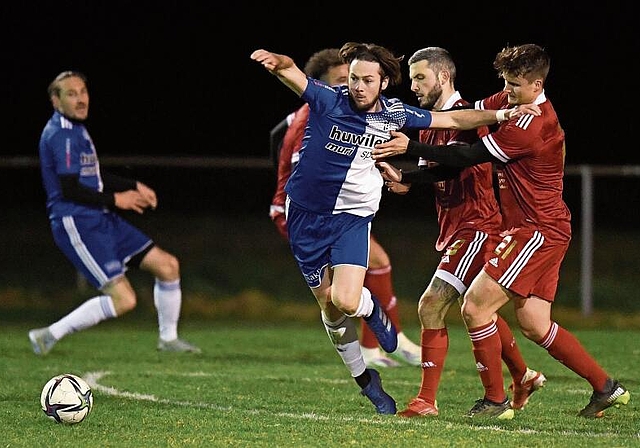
[{"x": 93, "y": 378}]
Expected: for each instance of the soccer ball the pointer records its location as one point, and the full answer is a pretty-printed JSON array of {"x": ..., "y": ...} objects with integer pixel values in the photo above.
[{"x": 66, "y": 399}]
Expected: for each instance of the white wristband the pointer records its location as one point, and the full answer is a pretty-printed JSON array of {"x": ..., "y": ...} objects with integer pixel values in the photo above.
[{"x": 501, "y": 115}]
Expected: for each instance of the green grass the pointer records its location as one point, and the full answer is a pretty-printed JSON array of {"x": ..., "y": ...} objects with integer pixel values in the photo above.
[
  {"x": 268, "y": 375},
  {"x": 281, "y": 384}
]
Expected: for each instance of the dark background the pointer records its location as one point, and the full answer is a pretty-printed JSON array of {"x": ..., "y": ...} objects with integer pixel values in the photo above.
[{"x": 175, "y": 79}]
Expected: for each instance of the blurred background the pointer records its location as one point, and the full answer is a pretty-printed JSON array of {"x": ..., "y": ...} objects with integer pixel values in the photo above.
[{"x": 177, "y": 103}]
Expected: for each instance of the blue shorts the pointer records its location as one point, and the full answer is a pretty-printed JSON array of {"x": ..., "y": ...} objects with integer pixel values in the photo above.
[
  {"x": 318, "y": 241},
  {"x": 99, "y": 245}
]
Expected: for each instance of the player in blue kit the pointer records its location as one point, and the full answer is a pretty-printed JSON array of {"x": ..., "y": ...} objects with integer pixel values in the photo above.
[
  {"x": 100, "y": 244},
  {"x": 335, "y": 190}
]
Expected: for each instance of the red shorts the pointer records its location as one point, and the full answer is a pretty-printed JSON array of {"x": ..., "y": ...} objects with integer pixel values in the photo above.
[
  {"x": 464, "y": 258},
  {"x": 527, "y": 264}
]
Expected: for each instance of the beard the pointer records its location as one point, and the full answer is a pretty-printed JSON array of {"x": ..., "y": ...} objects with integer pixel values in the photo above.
[
  {"x": 363, "y": 107},
  {"x": 429, "y": 100}
]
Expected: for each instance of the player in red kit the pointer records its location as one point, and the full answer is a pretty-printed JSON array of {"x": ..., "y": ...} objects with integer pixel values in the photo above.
[
  {"x": 470, "y": 222},
  {"x": 524, "y": 267}
]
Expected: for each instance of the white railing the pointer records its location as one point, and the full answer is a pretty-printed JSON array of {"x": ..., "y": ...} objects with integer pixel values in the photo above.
[{"x": 587, "y": 174}]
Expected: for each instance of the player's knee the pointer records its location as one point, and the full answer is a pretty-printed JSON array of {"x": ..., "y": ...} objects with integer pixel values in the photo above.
[
  {"x": 432, "y": 309},
  {"x": 468, "y": 310},
  {"x": 169, "y": 269},
  {"x": 123, "y": 303},
  {"x": 532, "y": 332},
  {"x": 346, "y": 303},
  {"x": 344, "y": 306}
]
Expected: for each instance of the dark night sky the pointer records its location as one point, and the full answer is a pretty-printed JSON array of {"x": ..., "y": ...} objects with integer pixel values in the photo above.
[{"x": 175, "y": 78}]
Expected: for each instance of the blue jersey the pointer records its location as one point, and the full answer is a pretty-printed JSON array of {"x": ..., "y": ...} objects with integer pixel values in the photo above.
[
  {"x": 336, "y": 173},
  {"x": 97, "y": 241},
  {"x": 66, "y": 148}
]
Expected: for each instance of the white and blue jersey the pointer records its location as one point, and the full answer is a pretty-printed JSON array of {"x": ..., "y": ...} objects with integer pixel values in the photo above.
[
  {"x": 96, "y": 240},
  {"x": 336, "y": 173},
  {"x": 334, "y": 190}
]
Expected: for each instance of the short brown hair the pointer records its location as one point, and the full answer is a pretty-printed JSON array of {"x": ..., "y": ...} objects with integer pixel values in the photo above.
[{"x": 530, "y": 61}]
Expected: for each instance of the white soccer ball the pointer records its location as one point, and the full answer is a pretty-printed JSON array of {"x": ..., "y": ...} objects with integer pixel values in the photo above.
[{"x": 66, "y": 398}]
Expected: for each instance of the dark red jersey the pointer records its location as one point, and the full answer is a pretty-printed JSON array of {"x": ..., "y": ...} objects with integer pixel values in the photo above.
[
  {"x": 532, "y": 149},
  {"x": 289, "y": 152},
  {"x": 467, "y": 201}
]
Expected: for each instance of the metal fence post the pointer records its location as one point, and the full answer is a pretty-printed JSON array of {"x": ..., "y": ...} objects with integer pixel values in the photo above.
[{"x": 586, "y": 262}]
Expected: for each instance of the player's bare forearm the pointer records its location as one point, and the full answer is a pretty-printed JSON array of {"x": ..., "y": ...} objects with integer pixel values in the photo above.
[
  {"x": 462, "y": 119},
  {"x": 470, "y": 119}
]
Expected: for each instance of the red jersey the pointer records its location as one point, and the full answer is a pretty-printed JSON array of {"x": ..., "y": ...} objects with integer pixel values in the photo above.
[
  {"x": 532, "y": 149},
  {"x": 467, "y": 201},
  {"x": 287, "y": 160},
  {"x": 289, "y": 152}
]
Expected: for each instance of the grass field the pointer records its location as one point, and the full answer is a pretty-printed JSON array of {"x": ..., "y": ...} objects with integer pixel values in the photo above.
[
  {"x": 268, "y": 375},
  {"x": 282, "y": 385}
]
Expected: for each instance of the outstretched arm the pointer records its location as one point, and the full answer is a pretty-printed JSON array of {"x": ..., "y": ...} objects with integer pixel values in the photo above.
[
  {"x": 470, "y": 119},
  {"x": 463, "y": 155},
  {"x": 457, "y": 155},
  {"x": 284, "y": 68}
]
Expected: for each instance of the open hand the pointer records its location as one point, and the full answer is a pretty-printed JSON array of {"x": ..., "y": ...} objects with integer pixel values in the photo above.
[{"x": 396, "y": 146}]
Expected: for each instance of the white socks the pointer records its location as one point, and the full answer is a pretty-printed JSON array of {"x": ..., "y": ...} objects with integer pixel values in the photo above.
[
  {"x": 91, "y": 312},
  {"x": 344, "y": 337},
  {"x": 167, "y": 297},
  {"x": 365, "y": 307}
]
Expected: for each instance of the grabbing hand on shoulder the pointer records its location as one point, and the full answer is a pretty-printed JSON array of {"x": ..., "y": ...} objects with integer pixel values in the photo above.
[{"x": 522, "y": 109}]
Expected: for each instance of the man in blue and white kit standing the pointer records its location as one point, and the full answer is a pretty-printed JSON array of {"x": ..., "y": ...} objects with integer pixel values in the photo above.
[
  {"x": 335, "y": 190},
  {"x": 99, "y": 243}
]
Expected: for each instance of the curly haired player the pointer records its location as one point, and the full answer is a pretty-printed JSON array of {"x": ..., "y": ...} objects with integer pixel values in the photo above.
[
  {"x": 286, "y": 141},
  {"x": 335, "y": 190}
]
